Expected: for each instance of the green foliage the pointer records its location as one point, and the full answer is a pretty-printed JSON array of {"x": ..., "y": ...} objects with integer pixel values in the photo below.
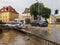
[
  {"x": 46, "y": 12},
  {"x": 34, "y": 8},
  {"x": 39, "y": 9}
]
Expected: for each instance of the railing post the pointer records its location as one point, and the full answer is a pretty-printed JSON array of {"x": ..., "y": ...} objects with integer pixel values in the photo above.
[{"x": 1, "y": 28}]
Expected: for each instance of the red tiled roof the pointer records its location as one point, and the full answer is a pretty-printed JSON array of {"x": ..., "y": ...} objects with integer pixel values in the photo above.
[
  {"x": 25, "y": 12},
  {"x": 8, "y": 9}
]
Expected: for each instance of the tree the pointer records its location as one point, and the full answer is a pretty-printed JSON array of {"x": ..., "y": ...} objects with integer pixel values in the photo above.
[
  {"x": 39, "y": 9},
  {"x": 34, "y": 9},
  {"x": 46, "y": 12}
]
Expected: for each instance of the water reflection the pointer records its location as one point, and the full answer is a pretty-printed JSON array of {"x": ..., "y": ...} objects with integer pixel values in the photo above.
[
  {"x": 14, "y": 38},
  {"x": 6, "y": 37}
]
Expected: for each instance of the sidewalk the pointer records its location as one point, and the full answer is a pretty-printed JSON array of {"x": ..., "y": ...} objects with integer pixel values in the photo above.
[{"x": 43, "y": 32}]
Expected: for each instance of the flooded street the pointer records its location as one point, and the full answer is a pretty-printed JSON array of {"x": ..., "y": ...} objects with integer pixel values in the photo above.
[{"x": 16, "y": 38}]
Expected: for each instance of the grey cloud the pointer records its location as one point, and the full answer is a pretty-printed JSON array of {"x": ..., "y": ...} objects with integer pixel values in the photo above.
[{"x": 20, "y": 5}]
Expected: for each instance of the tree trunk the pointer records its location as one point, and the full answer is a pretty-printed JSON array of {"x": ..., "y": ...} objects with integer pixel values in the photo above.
[
  {"x": 35, "y": 17},
  {"x": 46, "y": 19}
]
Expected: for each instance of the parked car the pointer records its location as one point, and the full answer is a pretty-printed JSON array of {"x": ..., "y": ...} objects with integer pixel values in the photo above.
[
  {"x": 34, "y": 23},
  {"x": 2, "y": 23},
  {"x": 12, "y": 24},
  {"x": 43, "y": 23},
  {"x": 39, "y": 23}
]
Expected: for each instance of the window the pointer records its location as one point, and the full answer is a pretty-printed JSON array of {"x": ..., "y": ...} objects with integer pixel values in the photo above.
[
  {"x": 0, "y": 17},
  {"x": 6, "y": 16},
  {"x": 3, "y": 16},
  {"x": 5, "y": 9},
  {"x": 2, "y": 10},
  {"x": 58, "y": 19}
]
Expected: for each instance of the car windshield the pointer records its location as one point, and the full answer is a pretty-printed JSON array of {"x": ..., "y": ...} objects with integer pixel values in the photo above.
[
  {"x": 36, "y": 21},
  {"x": 12, "y": 23},
  {"x": 41, "y": 21}
]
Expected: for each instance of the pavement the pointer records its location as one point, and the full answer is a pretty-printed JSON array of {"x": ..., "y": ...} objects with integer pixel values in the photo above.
[{"x": 52, "y": 33}]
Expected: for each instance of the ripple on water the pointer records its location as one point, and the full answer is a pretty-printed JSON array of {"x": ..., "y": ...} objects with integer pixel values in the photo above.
[
  {"x": 15, "y": 38},
  {"x": 7, "y": 37}
]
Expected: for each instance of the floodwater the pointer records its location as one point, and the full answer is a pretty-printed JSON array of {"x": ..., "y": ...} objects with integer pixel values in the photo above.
[{"x": 11, "y": 37}]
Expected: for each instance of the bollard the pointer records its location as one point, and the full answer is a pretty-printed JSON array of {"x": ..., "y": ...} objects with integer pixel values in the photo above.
[
  {"x": 49, "y": 27},
  {"x": 1, "y": 29},
  {"x": 54, "y": 24}
]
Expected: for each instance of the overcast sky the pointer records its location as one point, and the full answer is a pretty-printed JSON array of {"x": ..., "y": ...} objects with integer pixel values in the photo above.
[{"x": 20, "y": 5}]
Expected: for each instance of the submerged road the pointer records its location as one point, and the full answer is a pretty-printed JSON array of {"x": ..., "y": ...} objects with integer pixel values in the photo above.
[{"x": 16, "y": 38}]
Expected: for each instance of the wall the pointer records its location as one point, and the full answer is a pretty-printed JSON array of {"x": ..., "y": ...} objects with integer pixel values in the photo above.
[
  {"x": 12, "y": 16},
  {"x": 4, "y": 16},
  {"x": 8, "y": 16}
]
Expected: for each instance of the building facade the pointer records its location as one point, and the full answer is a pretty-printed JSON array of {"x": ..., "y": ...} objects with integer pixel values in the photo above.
[
  {"x": 26, "y": 16},
  {"x": 8, "y": 14},
  {"x": 54, "y": 18}
]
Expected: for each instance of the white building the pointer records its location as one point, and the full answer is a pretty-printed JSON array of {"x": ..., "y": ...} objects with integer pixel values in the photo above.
[{"x": 54, "y": 18}]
